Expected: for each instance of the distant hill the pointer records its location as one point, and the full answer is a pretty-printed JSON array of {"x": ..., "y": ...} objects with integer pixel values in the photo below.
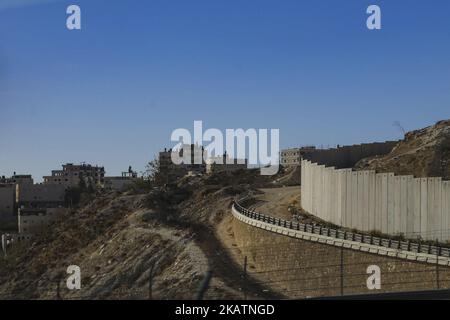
[{"x": 422, "y": 153}]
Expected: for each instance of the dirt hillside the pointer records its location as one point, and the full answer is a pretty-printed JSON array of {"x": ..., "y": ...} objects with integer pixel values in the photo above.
[
  {"x": 422, "y": 153},
  {"x": 118, "y": 238}
]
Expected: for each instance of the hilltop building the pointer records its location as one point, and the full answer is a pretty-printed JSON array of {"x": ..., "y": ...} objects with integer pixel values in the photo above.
[
  {"x": 8, "y": 195},
  {"x": 194, "y": 163},
  {"x": 31, "y": 206},
  {"x": 225, "y": 163},
  {"x": 9, "y": 239},
  {"x": 71, "y": 175},
  {"x": 120, "y": 183},
  {"x": 40, "y": 196},
  {"x": 17, "y": 179},
  {"x": 292, "y": 157},
  {"x": 36, "y": 221},
  {"x": 7, "y": 202}
]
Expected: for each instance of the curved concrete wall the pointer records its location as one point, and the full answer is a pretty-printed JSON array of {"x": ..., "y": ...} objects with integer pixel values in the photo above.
[{"x": 367, "y": 201}]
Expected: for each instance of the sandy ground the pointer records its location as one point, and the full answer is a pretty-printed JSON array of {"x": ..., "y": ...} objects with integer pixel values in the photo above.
[{"x": 276, "y": 201}]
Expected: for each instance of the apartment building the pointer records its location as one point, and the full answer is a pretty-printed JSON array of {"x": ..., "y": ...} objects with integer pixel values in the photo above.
[
  {"x": 38, "y": 220},
  {"x": 71, "y": 175},
  {"x": 40, "y": 196},
  {"x": 9, "y": 239},
  {"x": 7, "y": 205},
  {"x": 192, "y": 161},
  {"x": 292, "y": 157},
  {"x": 17, "y": 179},
  {"x": 120, "y": 183}
]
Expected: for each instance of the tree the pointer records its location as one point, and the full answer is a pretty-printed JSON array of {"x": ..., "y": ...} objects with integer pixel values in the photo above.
[
  {"x": 90, "y": 189},
  {"x": 153, "y": 173},
  {"x": 82, "y": 183},
  {"x": 72, "y": 196}
]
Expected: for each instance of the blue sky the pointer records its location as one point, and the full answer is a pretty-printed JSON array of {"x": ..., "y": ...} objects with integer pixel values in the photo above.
[{"x": 113, "y": 92}]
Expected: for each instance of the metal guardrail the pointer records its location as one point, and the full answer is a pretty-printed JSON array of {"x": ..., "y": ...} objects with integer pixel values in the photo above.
[{"x": 410, "y": 246}]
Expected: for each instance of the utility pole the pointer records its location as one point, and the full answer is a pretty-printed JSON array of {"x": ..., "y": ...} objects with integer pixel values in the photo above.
[{"x": 245, "y": 277}]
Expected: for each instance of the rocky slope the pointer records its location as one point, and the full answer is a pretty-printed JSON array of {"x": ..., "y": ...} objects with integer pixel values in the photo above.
[
  {"x": 422, "y": 153},
  {"x": 119, "y": 239}
]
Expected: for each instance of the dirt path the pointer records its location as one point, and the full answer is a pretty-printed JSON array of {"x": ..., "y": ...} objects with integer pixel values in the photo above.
[{"x": 276, "y": 201}]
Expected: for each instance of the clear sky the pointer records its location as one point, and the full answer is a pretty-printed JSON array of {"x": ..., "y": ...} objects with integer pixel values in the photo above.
[{"x": 112, "y": 93}]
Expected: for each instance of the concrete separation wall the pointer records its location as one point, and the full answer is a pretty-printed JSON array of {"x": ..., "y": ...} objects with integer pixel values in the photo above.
[
  {"x": 348, "y": 156},
  {"x": 383, "y": 202}
]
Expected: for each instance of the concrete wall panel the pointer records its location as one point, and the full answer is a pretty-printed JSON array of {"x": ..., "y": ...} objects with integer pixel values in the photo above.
[
  {"x": 438, "y": 208},
  {"x": 354, "y": 200},
  {"x": 445, "y": 210},
  {"x": 431, "y": 217},
  {"x": 349, "y": 201},
  {"x": 372, "y": 200},
  {"x": 423, "y": 207},
  {"x": 409, "y": 225},
  {"x": 384, "y": 202},
  {"x": 360, "y": 201},
  {"x": 403, "y": 204},
  {"x": 390, "y": 203},
  {"x": 417, "y": 198},
  {"x": 397, "y": 193}
]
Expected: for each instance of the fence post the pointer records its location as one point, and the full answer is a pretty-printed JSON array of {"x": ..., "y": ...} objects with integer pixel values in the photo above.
[
  {"x": 58, "y": 289},
  {"x": 150, "y": 282},
  {"x": 245, "y": 277},
  {"x": 204, "y": 285},
  {"x": 437, "y": 267}
]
